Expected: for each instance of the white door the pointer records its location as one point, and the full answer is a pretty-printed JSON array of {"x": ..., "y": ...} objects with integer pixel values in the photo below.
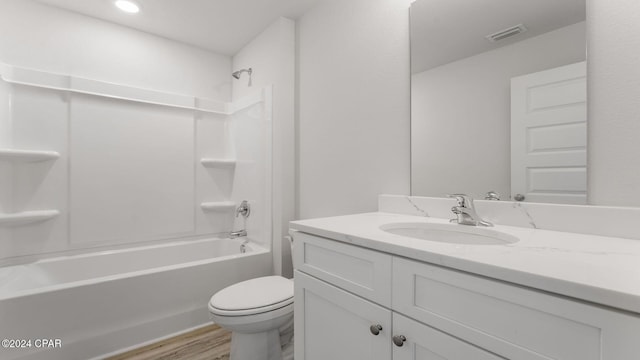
[
  {"x": 422, "y": 342},
  {"x": 331, "y": 323},
  {"x": 549, "y": 135}
]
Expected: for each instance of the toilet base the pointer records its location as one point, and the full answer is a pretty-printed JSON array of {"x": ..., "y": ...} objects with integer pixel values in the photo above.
[
  {"x": 256, "y": 346},
  {"x": 287, "y": 351}
]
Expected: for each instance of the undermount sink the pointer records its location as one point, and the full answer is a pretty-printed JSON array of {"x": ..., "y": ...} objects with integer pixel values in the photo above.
[{"x": 450, "y": 233}]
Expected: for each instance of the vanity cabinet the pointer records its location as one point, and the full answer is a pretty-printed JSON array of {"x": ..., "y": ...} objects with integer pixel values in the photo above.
[
  {"x": 340, "y": 325},
  {"x": 343, "y": 293}
]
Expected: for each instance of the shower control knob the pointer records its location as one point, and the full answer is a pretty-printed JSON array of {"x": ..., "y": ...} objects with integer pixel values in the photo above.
[
  {"x": 399, "y": 340},
  {"x": 518, "y": 197},
  {"x": 375, "y": 329},
  {"x": 244, "y": 209}
]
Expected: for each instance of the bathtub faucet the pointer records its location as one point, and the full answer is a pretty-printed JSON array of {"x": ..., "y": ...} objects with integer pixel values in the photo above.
[
  {"x": 237, "y": 234},
  {"x": 244, "y": 209}
]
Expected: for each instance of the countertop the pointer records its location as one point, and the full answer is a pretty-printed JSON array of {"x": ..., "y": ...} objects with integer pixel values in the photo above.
[{"x": 597, "y": 269}]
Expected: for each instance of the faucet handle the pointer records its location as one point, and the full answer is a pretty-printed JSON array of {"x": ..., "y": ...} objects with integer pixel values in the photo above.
[
  {"x": 492, "y": 195},
  {"x": 244, "y": 209},
  {"x": 463, "y": 200}
]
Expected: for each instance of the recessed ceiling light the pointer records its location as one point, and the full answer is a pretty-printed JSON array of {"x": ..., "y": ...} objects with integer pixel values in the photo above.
[{"x": 128, "y": 6}]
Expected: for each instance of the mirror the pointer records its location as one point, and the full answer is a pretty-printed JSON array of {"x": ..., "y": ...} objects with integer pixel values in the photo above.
[{"x": 498, "y": 99}]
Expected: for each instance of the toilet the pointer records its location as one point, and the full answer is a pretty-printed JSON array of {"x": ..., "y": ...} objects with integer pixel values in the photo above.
[{"x": 258, "y": 312}]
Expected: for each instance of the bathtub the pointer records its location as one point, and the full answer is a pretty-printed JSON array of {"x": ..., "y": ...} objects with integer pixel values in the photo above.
[{"x": 88, "y": 306}]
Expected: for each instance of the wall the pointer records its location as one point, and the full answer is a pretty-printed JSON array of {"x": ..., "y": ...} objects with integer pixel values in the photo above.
[
  {"x": 128, "y": 171},
  {"x": 271, "y": 55},
  {"x": 614, "y": 90},
  {"x": 46, "y": 38},
  {"x": 353, "y": 116},
  {"x": 463, "y": 108},
  {"x": 250, "y": 135},
  {"x": 614, "y": 118}
]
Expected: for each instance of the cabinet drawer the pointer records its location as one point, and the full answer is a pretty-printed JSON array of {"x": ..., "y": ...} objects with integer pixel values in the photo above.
[
  {"x": 515, "y": 322},
  {"x": 361, "y": 271}
]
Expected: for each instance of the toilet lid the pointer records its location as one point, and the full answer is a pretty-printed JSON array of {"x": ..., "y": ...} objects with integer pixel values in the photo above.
[{"x": 255, "y": 294}]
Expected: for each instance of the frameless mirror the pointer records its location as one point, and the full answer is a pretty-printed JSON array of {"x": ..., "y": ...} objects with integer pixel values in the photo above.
[{"x": 498, "y": 99}]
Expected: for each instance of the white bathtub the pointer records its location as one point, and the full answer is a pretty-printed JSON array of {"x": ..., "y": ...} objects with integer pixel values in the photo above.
[{"x": 102, "y": 303}]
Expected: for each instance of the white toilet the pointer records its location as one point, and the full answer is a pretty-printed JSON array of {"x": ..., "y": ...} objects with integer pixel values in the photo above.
[{"x": 258, "y": 312}]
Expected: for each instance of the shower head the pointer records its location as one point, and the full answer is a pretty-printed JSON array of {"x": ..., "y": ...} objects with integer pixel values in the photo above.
[{"x": 236, "y": 74}]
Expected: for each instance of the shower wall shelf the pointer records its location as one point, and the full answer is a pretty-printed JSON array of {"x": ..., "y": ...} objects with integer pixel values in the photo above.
[
  {"x": 220, "y": 206},
  {"x": 217, "y": 163},
  {"x": 75, "y": 84},
  {"x": 15, "y": 155},
  {"x": 27, "y": 217}
]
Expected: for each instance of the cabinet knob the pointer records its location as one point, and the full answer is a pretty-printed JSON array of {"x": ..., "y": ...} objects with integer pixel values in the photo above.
[
  {"x": 399, "y": 340},
  {"x": 375, "y": 329}
]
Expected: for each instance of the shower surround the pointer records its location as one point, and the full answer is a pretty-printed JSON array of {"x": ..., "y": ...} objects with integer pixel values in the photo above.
[{"x": 90, "y": 168}]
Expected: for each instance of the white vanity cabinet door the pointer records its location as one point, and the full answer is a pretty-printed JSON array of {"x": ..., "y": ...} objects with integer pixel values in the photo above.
[
  {"x": 332, "y": 324},
  {"x": 515, "y": 322},
  {"x": 426, "y": 343}
]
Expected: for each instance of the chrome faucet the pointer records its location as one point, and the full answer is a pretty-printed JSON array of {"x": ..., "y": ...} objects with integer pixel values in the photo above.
[
  {"x": 466, "y": 212},
  {"x": 237, "y": 234},
  {"x": 244, "y": 209}
]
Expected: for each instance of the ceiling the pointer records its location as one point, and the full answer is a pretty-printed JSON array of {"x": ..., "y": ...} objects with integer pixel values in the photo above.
[
  {"x": 443, "y": 31},
  {"x": 221, "y": 26}
]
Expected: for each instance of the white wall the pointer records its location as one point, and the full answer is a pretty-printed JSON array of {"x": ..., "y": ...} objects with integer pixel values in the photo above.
[
  {"x": 614, "y": 110},
  {"x": 128, "y": 171},
  {"x": 271, "y": 55},
  {"x": 460, "y": 116},
  {"x": 353, "y": 130},
  {"x": 251, "y": 140},
  {"x": 46, "y": 38}
]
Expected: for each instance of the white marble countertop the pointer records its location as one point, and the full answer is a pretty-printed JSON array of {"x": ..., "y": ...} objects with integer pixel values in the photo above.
[{"x": 598, "y": 269}]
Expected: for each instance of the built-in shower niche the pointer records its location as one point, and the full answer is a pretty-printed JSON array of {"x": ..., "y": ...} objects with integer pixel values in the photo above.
[
  {"x": 117, "y": 165},
  {"x": 222, "y": 172},
  {"x": 215, "y": 172},
  {"x": 21, "y": 172},
  {"x": 238, "y": 166}
]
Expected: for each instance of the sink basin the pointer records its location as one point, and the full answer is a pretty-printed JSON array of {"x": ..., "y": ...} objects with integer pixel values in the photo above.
[{"x": 450, "y": 233}]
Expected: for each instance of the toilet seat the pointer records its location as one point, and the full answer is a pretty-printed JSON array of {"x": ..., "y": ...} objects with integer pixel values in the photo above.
[{"x": 255, "y": 296}]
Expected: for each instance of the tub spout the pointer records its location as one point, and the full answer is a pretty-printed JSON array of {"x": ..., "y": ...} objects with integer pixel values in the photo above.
[{"x": 237, "y": 234}]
